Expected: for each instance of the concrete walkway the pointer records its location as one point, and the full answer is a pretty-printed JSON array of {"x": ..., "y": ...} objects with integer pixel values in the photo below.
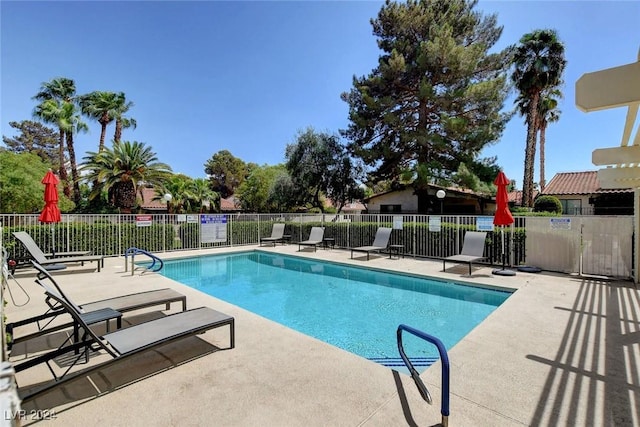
[{"x": 560, "y": 351}]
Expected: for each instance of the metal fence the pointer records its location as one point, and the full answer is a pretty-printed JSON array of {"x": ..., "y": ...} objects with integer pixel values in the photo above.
[
  {"x": 431, "y": 236},
  {"x": 111, "y": 235}
]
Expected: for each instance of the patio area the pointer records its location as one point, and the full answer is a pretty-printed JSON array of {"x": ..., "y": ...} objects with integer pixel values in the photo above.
[{"x": 562, "y": 350}]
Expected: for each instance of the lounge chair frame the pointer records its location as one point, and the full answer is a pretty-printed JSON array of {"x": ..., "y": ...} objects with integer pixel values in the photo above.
[
  {"x": 124, "y": 342},
  {"x": 472, "y": 250},
  {"x": 380, "y": 242},
  {"x": 122, "y": 304},
  {"x": 41, "y": 258},
  {"x": 316, "y": 237},
  {"x": 277, "y": 235}
]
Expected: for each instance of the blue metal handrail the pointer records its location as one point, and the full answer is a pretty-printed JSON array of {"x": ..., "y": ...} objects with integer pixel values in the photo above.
[
  {"x": 135, "y": 251},
  {"x": 444, "y": 359}
]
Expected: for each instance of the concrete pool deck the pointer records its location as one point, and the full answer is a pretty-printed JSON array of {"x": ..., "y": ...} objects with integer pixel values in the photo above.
[{"x": 561, "y": 350}]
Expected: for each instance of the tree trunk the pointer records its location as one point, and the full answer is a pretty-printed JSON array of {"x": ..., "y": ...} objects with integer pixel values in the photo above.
[
  {"x": 543, "y": 128},
  {"x": 74, "y": 168},
  {"x": 118, "y": 133},
  {"x": 104, "y": 121},
  {"x": 63, "y": 168},
  {"x": 530, "y": 151}
]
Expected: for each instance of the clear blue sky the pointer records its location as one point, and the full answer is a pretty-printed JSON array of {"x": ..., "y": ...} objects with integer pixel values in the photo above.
[{"x": 247, "y": 76}]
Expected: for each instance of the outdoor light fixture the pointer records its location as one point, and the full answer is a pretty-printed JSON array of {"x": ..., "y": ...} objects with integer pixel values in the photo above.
[
  {"x": 441, "y": 194},
  {"x": 167, "y": 198}
]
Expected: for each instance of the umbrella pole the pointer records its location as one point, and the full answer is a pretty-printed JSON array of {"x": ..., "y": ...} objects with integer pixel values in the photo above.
[
  {"x": 53, "y": 240},
  {"x": 503, "y": 254}
]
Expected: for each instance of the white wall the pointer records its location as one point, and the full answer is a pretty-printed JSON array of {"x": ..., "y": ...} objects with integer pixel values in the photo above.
[{"x": 406, "y": 198}]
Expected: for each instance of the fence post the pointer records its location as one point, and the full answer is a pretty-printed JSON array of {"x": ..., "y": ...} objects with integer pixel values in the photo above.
[
  {"x": 415, "y": 236},
  {"x": 119, "y": 224}
]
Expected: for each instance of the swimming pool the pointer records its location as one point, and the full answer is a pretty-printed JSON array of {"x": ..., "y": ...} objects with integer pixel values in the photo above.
[{"x": 356, "y": 309}]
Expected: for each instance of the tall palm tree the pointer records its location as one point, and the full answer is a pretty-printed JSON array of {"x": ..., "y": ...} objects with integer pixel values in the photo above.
[
  {"x": 122, "y": 121},
  {"x": 102, "y": 107},
  {"x": 122, "y": 170},
  {"x": 53, "y": 95},
  {"x": 547, "y": 112},
  {"x": 73, "y": 124},
  {"x": 539, "y": 62}
]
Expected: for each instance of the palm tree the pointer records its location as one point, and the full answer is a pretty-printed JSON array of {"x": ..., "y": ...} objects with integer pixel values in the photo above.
[
  {"x": 73, "y": 123},
  {"x": 179, "y": 187},
  {"x": 102, "y": 107},
  {"x": 54, "y": 94},
  {"x": 122, "y": 170},
  {"x": 548, "y": 112},
  {"x": 122, "y": 122},
  {"x": 203, "y": 194},
  {"x": 539, "y": 63}
]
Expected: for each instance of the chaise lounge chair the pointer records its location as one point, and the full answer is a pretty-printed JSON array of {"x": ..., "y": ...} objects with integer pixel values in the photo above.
[
  {"x": 277, "y": 235},
  {"x": 472, "y": 249},
  {"x": 315, "y": 238},
  {"x": 93, "y": 312},
  {"x": 380, "y": 243},
  {"x": 123, "y": 342},
  {"x": 59, "y": 259}
]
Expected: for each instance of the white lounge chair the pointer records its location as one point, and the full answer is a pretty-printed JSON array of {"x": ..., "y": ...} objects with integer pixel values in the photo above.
[
  {"x": 316, "y": 237},
  {"x": 380, "y": 243},
  {"x": 277, "y": 235},
  {"x": 472, "y": 249}
]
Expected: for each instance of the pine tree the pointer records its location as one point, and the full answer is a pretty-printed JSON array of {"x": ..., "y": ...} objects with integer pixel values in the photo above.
[{"x": 435, "y": 99}]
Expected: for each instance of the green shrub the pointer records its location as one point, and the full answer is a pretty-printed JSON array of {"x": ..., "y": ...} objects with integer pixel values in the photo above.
[{"x": 547, "y": 204}]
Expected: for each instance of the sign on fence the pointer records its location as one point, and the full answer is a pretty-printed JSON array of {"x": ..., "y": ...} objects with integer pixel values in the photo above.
[
  {"x": 144, "y": 220},
  {"x": 397, "y": 222},
  {"x": 484, "y": 223},
  {"x": 560, "y": 223},
  {"x": 213, "y": 228},
  {"x": 435, "y": 224}
]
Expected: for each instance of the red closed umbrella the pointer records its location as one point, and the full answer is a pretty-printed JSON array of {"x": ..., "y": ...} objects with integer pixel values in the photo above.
[
  {"x": 51, "y": 213},
  {"x": 503, "y": 215}
]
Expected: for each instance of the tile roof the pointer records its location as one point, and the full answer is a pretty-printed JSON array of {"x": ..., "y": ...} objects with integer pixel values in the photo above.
[
  {"x": 577, "y": 183},
  {"x": 147, "y": 200},
  {"x": 515, "y": 197},
  {"x": 231, "y": 203}
]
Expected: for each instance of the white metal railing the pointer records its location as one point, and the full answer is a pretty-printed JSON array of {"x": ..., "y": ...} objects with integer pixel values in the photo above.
[{"x": 421, "y": 235}]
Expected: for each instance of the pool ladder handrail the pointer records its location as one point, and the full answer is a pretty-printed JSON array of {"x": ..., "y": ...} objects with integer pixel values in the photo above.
[
  {"x": 444, "y": 361},
  {"x": 133, "y": 251}
]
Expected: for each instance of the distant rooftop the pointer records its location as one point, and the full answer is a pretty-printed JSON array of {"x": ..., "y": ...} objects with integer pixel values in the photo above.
[{"x": 578, "y": 183}]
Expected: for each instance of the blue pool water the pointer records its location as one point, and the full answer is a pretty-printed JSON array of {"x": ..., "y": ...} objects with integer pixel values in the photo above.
[{"x": 356, "y": 309}]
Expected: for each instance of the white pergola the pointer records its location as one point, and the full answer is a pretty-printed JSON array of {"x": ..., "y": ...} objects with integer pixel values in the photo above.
[{"x": 612, "y": 88}]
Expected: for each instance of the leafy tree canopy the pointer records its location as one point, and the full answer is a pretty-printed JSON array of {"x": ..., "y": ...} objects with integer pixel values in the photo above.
[
  {"x": 21, "y": 189},
  {"x": 465, "y": 178},
  {"x": 34, "y": 138},
  {"x": 255, "y": 192},
  {"x": 226, "y": 172},
  {"x": 319, "y": 165},
  {"x": 435, "y": 99}
]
